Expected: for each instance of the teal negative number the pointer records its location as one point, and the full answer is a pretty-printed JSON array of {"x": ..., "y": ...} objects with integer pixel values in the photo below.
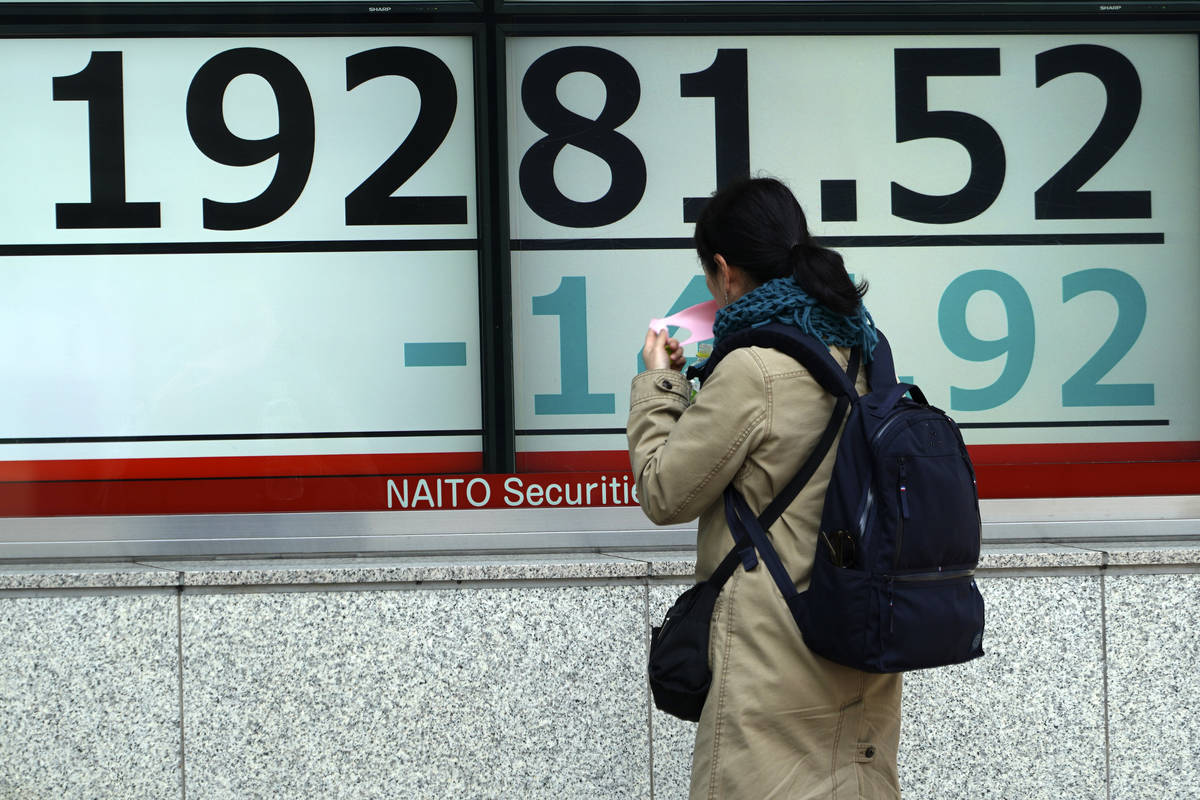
[
  {"x": 569, "y": 303},
  {"x": 1081, "y": 389}
]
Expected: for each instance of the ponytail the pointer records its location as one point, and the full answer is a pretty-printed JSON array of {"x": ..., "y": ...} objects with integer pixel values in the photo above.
[{"x": 821, "y": 273}]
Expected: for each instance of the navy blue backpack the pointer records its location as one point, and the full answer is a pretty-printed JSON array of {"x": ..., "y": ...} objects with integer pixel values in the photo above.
[{"x": 893, "y": 584}]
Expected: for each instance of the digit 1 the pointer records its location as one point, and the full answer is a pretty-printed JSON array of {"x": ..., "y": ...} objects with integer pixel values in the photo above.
[
  {"x": 100, "y": 85},
  {"x": 569, "y": 303},
  {"x": 726, "y": 83}
]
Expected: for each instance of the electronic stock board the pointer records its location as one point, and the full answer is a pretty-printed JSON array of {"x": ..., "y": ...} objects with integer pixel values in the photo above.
[
  {"x": 1022, "y": 206},
  {"x": 251, "y": 270}
]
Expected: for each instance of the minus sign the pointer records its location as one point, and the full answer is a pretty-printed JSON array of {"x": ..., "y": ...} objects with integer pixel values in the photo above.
[{"x": 435, "y": 354}]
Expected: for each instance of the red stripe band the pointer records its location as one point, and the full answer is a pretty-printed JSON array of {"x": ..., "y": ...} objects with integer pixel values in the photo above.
[{"x": 365, "y": 482}]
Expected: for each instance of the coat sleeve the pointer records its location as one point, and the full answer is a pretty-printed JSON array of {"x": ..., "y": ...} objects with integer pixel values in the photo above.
[{"x": 683, "y": 456}]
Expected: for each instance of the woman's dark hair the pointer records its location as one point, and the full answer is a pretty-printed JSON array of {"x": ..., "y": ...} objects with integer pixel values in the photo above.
[{"x": 757, "y": 225}]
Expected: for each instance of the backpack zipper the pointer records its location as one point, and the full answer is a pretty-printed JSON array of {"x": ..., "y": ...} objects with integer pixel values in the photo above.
[
  {"x": 879, "y": 433},
  {"x": 891, "y": 607},
  {"x": 903, "y": 513},
  {"x": 925, "y": 577},
  {"x": 868, "y": 504},
  {"x": 870, "y": 499}
]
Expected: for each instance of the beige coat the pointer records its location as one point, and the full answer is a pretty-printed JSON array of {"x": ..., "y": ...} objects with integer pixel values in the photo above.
[{"x": 780, "y": 721}]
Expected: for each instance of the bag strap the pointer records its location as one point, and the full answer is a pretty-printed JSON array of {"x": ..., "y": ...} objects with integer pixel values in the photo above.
[
  {"x": 742, "y": 521},
  {"x": 881, "y": 371},
  {"x": 743, "y": 524},
  {"x": 747, "y": 525},
  {"x": 787, "y": 339},
  {"x": 742, "y": 553},
  {"x": 816, "y": 358},
  {"x": 775, "y": 509}
]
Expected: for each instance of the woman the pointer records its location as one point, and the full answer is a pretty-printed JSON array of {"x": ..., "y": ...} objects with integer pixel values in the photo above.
[{"x": 779, "y": 721}]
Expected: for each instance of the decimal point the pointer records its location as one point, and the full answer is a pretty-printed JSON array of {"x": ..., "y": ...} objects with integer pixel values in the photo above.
[
  {"x": 839, "y": 201},
  {"x": 692, "y": 206}
]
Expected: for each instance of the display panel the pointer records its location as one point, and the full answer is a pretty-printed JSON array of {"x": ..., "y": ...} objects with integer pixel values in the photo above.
[
  {"x": 241, "y": 273},
  {"x": 225, "y": 8},
  {"x": 381, "y": 7},
  {"x": 738, "y": 10},
  {"x": 1023, "y": 206}
]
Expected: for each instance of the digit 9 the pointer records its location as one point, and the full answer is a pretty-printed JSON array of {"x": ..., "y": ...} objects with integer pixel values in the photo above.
[
  {"x": 293, "y": 143},
  {"x": 1016, "y": 344}
]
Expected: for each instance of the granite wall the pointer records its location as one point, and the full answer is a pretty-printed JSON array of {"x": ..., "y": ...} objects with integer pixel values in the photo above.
[{"x": 522, "y": 677}]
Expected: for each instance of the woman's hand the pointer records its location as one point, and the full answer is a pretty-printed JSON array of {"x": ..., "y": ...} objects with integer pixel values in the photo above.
[{"x": 661, "y": 351}]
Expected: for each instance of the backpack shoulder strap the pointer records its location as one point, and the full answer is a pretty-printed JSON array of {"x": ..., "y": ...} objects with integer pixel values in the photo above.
[
  {"x": 881, "y": 371},
  {"x": 815, "y": 357},
  {"x": 779, "y": 504},
  {"x": 808, "y": 350}
]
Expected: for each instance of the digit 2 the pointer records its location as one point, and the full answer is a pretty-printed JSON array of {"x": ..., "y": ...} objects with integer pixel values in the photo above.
[
  {"x": 372, "y": 202},
  {"x": 1060, "y": 197}
]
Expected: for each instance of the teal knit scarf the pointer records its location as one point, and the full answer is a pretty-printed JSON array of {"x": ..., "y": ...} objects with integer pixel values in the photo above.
[{"x": 782, "y": 300}]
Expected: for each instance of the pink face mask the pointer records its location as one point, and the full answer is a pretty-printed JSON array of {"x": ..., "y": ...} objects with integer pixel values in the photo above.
[{"x": 697, "y": 320}]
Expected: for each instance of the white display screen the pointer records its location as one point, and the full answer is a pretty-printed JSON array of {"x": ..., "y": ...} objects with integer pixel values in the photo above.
[
  {"x": 379, "y": 7},
  {"x": 236, "y": 256},
  {"x": 263, "y": 273},
  {"x": 1024, "y": 208}
]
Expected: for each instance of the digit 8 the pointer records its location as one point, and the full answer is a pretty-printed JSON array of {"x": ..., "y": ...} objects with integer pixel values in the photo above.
[{"x": 597, "y": 136}]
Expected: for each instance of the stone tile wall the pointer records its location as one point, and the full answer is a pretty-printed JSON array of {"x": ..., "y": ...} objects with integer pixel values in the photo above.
[
  {"x": 89, "y": 697},
  {"x": 522, "y": 677}
]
